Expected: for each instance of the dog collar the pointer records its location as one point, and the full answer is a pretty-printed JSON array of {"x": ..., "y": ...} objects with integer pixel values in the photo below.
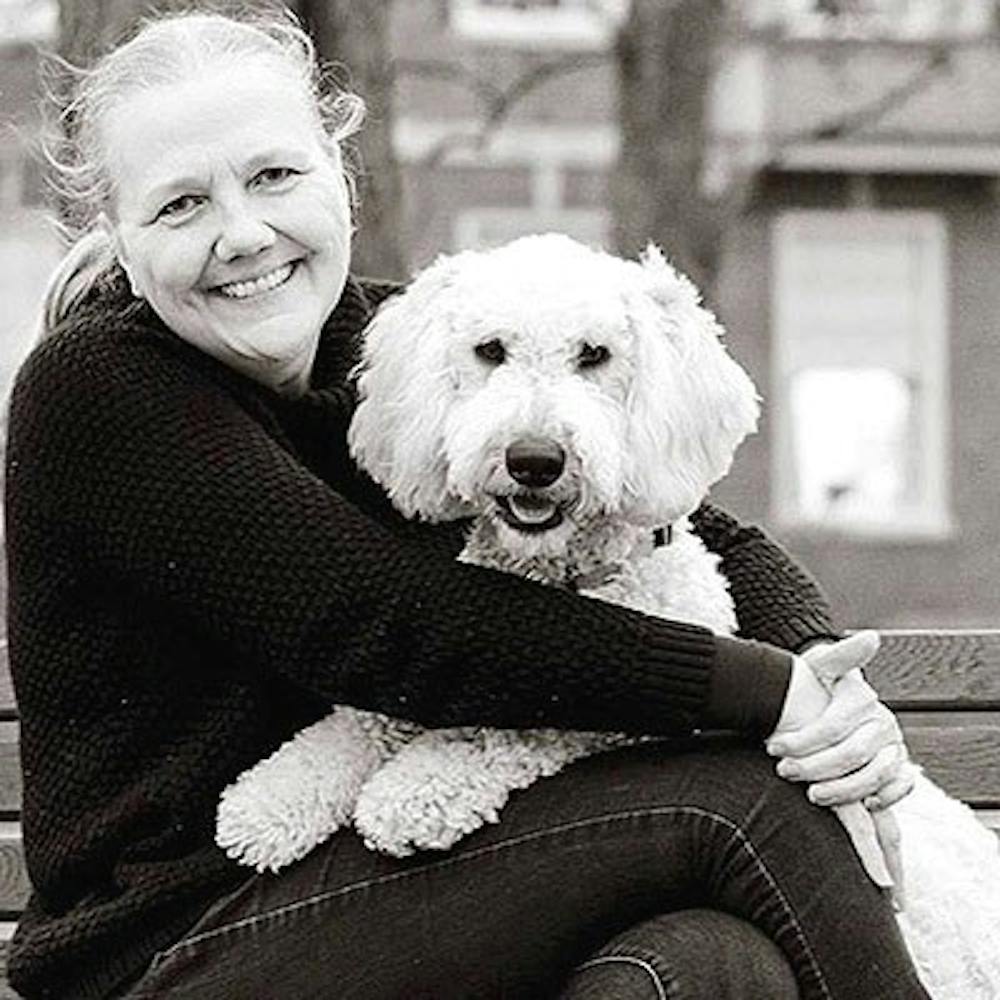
[
  {"x": 663, "y": 536},
  {"x": 606, "y": 573}
]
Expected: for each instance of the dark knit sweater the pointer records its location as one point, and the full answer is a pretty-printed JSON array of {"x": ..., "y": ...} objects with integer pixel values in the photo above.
[{"x": 196, "y": 572}]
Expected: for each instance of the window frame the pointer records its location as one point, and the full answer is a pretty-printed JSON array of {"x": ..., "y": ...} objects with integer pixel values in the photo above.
[{"x": 932, "y": 519}]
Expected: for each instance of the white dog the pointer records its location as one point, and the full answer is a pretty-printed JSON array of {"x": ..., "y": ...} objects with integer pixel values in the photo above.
[{"x": 578, "y": 407}]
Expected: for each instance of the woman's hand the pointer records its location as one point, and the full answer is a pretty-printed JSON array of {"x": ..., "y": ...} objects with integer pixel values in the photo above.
[
  {"x": 851, "y": 750},
  {"x": 850, "y": 747}
]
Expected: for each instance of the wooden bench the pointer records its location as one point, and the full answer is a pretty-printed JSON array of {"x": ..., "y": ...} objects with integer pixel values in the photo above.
[{"x": 945, "y": 685}]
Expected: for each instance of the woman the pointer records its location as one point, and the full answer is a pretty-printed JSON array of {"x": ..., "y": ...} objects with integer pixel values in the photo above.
[{"x": 197, "y": 573}]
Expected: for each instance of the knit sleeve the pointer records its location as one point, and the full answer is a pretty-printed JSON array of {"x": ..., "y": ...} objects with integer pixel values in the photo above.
[
  {"x": 166, "y": 489},
  {"x": 777, "y": 601}
]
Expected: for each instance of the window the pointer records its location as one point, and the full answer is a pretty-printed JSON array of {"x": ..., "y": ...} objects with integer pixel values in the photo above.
[
  {"x": 548, "y": 23},
  {"x": 860, "y": 372}
]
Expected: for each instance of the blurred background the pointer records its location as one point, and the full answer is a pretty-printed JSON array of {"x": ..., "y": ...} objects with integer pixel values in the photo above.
[{"x": 828, "y": 171}]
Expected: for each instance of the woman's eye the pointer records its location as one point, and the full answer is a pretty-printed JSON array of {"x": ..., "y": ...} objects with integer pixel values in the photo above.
[
  {"x": 180, "y": 207},
  {"x": 592, "y": 355},
  {"x": 274, "y": 176},
  {"x": 491, "y": 351}
]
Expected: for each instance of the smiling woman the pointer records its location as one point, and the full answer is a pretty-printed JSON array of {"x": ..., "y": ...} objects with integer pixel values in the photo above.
[
  {"x": 198, "y": 572},
  {"x": 238, "y": 236}
]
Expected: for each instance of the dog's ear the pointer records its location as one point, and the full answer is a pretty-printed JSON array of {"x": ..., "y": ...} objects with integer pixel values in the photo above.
[
  {"x": 405, "y": 387},
  {"x": 690, "y": 404}
]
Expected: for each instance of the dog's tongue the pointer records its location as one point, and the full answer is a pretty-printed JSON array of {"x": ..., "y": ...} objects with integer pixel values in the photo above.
[{"x": 531, "y": 510}]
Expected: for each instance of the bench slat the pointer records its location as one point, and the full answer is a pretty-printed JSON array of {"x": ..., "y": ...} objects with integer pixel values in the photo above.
[
  {"x": 959, "y": 669},
  {"x": 7, "y": 705},
  {"x": 991, "y": 817},
  {"x": 10, "y": 769},
  {"x": 960, "y": 751},
  {"x": 14, "y": 884}
]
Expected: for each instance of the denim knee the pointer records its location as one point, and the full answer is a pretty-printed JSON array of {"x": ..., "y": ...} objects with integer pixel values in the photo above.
[{"x": 686, "y": 955}]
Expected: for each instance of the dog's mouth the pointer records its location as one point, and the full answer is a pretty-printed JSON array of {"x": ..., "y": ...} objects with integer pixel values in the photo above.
[{"x": 529, "y": 512}]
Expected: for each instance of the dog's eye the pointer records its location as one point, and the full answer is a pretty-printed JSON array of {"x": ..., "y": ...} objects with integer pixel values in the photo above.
[
  {"x": 492, "y": 352},
  {"x": 592, "y": 355}
]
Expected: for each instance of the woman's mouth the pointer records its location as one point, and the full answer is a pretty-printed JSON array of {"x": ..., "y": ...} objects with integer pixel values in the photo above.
[
  {"x": 259, "y": 285},
  {"x": 529, "y": 512}
]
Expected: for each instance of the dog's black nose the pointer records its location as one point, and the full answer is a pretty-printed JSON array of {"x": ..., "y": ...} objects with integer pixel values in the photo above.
[{"x": 535, "y": 461}]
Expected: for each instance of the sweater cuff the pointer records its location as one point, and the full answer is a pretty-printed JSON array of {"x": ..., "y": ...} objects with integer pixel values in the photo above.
[
  {"x": 799, "y": 632},
  {"x": 668, "y": 687},
  {"x": 749, "y": 683}
]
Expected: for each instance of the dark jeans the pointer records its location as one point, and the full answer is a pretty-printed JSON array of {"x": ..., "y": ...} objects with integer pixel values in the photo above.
[
  {"x": 687, "y": 955},
  {"x": 598, "y": 862}
]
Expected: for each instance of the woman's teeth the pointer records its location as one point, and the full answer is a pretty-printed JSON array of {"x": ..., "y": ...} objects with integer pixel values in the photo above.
[{"x": 265, "y": 283}]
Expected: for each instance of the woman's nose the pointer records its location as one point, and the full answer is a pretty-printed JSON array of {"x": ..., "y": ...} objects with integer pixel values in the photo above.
[{"x": 243, "y": 233}]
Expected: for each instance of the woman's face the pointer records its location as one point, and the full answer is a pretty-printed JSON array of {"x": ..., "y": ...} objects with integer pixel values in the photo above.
[{"x": 231, "y": 216}]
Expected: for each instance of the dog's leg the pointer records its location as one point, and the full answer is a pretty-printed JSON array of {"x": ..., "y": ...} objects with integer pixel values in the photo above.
[
  {"x": 951, "y": 917},
  {"x": 280, "y": 809},
  {"x": 449, "y": 782}
]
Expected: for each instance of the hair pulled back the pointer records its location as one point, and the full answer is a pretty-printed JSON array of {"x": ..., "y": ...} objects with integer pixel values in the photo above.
[{"x": 162, "y": 51}]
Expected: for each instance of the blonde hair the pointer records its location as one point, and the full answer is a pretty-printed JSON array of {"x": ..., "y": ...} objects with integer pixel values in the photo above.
[{"x": 162, "y": 51}]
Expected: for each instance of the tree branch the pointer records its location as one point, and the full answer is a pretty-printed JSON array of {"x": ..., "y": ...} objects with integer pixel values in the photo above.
[
  {"x": 497, "y": 102},
  {"x": 939, "y": 62}
]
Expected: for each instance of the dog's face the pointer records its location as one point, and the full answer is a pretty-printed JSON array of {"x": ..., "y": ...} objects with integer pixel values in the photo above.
[{"x": 547, "y": 386}]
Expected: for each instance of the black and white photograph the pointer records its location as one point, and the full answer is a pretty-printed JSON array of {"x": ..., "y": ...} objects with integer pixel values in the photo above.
[{"x": 501, "y": 499}]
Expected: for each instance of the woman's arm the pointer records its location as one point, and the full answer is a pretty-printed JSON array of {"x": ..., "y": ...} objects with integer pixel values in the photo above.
[
  {"x": 777, "y": 601},
  {"x": 137, "y": 463}
]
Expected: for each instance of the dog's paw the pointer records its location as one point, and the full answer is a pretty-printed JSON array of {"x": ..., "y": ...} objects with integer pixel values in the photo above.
[
  {"x": 385, "y": 831},
  {"x": 428, "y": 798},
  {"x": 283, "y": 807},
  {"x": 258, "y": 832}
]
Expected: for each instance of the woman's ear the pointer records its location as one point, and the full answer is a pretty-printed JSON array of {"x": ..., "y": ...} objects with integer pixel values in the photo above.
[
  {"x": 690, "y": 404},
  {"x": 406, "y": 386},
  {"x": 120, "y": 252}
]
